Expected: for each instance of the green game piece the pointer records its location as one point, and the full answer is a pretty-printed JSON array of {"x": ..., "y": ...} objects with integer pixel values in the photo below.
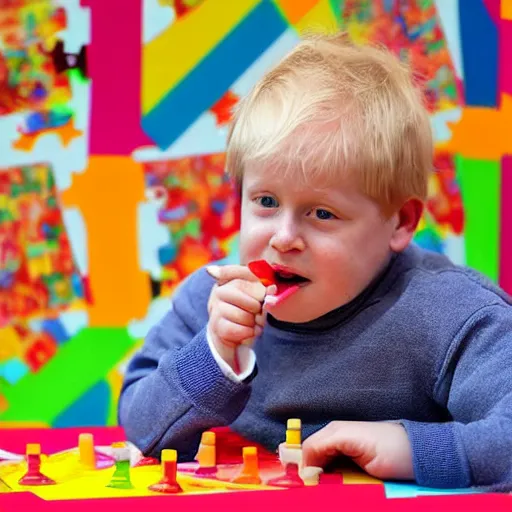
[{"x": 121, "y": 477}]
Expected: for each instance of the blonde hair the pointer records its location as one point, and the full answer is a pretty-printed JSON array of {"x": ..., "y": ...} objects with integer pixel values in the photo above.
[{"x": 332, "y": 107}]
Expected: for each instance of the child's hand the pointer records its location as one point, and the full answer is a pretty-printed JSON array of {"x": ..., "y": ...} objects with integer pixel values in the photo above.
[
  {"x": 235, "y": 309},
  {"x": 381, "y": 449}
]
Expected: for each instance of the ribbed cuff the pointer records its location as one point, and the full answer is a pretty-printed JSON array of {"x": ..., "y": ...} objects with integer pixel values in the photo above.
[
  {"x": 205, "y": 383},
  {"x": 438, "y": 458}
]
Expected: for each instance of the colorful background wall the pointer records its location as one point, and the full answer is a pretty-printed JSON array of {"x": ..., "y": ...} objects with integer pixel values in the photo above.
[{"x": 113, "y": 122}]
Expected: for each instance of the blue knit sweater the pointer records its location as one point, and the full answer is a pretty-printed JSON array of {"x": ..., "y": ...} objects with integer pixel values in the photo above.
[{"x": 428, "y": 344}]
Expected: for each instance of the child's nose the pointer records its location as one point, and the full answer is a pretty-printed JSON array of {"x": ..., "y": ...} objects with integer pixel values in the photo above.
[{"x": 287, "y": 238}]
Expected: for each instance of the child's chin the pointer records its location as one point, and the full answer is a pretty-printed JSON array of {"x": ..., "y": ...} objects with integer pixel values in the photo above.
[{"x": 290, "y": 314}]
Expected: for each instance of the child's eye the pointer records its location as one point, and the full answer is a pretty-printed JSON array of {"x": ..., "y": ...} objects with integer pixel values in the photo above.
[
  {"x": 322, "y": 214},
  {"x": 267, "y": 202}
]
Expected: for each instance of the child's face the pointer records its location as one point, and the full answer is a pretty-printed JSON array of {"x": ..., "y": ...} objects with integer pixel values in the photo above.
[{"x": 334, "y": 236}]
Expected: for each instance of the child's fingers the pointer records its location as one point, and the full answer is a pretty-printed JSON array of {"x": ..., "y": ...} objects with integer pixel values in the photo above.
[
  {"x": 260, "y": 320},
  {"x": 225, "y": 273},
  {"x": 237, "y": 296},
  {"x": 231, "y": 332},
  {"x": 236, "y": 315}
]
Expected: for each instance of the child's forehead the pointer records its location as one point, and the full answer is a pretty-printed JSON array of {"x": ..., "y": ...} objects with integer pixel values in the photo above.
[
  {"x": 298, "y": 186},
  {"x": 295, "y": 177}
]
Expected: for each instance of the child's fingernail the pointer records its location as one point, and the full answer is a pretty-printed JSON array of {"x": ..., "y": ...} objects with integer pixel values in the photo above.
[
  {"x": 258, "y": 330},
  {"x": 213, "y": 271},
  {"x": 272, "y": 289}
]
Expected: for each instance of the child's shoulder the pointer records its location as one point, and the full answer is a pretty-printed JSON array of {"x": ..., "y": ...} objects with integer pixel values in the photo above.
[
  {"x": 195, "y": 288},
  {"x": 450, "y": 285}
]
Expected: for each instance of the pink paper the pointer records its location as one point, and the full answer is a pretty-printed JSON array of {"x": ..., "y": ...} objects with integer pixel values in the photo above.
[
  {"x": 114, "y": 67},
  {"x": 505, "y": 52},
  {"x": 506, "y": 224}
]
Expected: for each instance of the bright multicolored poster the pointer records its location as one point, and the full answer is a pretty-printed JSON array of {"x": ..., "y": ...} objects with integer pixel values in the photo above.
[{"x": 112, "y": 155}]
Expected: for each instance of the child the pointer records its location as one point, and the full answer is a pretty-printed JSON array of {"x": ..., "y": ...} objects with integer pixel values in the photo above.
[{"x": 389, "y": 354}]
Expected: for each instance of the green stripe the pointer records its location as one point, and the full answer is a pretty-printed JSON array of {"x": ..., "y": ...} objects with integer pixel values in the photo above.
[
  {"x": 337, "y": 7},
  {"x": 79, "y": 364},
  {"x": 480, "y": 187}
]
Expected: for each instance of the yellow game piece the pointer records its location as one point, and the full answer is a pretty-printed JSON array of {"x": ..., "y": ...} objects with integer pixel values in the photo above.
[
  {"x": 208, "y": 438},
  {"x": 86, "y": 450},
  {"x": 169, "y": 455},
  {"x": 33, "y": 449},
  {"x": 207, "y": 453},
  {"x": 293, "y": 433}
]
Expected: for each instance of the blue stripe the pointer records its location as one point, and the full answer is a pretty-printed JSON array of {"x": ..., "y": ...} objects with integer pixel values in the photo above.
[
  {"x": 213, "y": 76},
  {"x": 479, "y": 42}
]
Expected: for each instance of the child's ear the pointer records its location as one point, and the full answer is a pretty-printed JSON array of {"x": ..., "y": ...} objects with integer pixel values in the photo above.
[{"x": 406, "y": 221}]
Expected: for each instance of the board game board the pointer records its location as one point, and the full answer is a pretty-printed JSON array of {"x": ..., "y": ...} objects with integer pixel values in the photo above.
[{"x": 118, "y": 477}]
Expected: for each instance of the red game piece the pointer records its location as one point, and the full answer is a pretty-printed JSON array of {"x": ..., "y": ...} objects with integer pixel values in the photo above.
[
  {"x": 33, "y": 476},
  {"x": 290, "y": 479},
  {"x": 168, "y": 484}
]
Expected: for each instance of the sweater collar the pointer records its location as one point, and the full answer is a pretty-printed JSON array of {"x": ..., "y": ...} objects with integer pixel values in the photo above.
[{"x": 343, "y": 313}]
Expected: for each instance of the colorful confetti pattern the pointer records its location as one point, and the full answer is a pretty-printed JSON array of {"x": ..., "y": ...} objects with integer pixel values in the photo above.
[{"x": 112, "y": 154}]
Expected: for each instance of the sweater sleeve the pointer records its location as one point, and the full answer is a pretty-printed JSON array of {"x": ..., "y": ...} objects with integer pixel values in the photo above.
[
  {"x": 475, "y": 386},
  {"x": 173, "y": 388}
]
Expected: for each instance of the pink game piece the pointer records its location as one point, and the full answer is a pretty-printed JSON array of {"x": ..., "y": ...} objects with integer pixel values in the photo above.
[{"x": 33, "y": 476}]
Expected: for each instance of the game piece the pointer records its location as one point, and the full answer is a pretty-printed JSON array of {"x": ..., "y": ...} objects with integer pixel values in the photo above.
[
  {"x": 86, "y": 450},
  {"x": 293, "y": 433},
  {"x": 310, "y": 475},
  {"x": 206, "y": 455},
  {"x": 33, "y": 476},
  {"x": 290, "y": 479},
  {"x": 121, "y": 477},
  {"x": 168, "y": 484},
  {"x": 250, "y": 473},
  {"x": 291, "y": 449}
]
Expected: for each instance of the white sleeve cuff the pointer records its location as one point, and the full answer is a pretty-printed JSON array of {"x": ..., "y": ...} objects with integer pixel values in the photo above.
[{"x": 246, "y": 358}]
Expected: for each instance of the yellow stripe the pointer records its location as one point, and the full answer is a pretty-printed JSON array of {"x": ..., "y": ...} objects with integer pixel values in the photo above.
[
  {"x": 320, "y": 18},
  {"x": 506, "y": 9},
  {"x": 168, "y": 58}
]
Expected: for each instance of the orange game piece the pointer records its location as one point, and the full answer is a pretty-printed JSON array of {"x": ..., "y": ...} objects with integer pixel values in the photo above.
[
  {"x": 86, "y": 450},
  {"x": 207, "y": 454},
  {"x": 33, "y": 476},
  {"x": 168, "y": 484},
  {"x": 250, "y": 473}
]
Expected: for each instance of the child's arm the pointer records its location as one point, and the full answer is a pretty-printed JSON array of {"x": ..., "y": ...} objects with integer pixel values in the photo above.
[
  {"x": 475, "y": 385},
  {"x": 474, "y": 449},
  {"x": 174, "y": 389}
]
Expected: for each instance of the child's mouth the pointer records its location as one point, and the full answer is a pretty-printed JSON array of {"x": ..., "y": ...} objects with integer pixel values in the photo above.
[{"x": 286, "y": 281}]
